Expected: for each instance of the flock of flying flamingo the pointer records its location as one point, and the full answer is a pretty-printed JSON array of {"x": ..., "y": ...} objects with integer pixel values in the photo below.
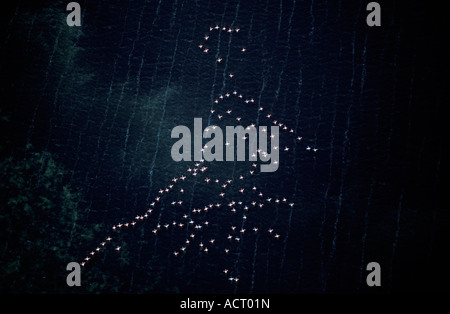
[{"x": 199, "y": 170}]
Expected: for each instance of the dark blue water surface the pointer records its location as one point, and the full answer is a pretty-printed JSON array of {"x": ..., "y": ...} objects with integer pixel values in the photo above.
[{"x": 104, "y": 97}]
